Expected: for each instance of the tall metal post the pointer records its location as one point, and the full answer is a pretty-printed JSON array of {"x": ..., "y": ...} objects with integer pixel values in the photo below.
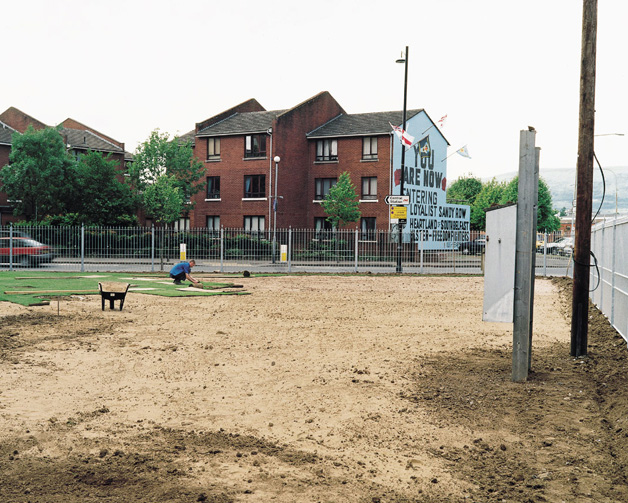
[
  {"x": 276, "y": 159},
  {"x": 584, "y": 197},
  {"x": 82, "y": 248},
  {"x": 403, "y": 157},
  {"x": 152, "y": 248}
]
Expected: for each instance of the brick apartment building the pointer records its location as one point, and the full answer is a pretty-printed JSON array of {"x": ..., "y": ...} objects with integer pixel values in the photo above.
[
  {"x": 78, "y": 137},
  {"x": 316, "y": 141}
]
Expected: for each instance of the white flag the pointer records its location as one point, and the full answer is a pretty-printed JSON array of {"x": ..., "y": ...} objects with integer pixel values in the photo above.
[{"x": 464, "y": 152}]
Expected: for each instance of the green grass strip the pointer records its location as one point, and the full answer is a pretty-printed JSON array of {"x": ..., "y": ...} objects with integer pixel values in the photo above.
[{"x": 63, "y": 284}]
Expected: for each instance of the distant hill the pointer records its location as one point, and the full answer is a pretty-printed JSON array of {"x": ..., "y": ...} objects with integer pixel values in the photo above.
[{"x": 561, "y": 184}]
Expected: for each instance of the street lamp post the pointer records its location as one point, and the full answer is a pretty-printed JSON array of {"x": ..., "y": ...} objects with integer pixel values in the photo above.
[
  {"x": 403, "y": 60},
  {"x": 276, "y": 159},
  {"x": 616, "y": 205}
]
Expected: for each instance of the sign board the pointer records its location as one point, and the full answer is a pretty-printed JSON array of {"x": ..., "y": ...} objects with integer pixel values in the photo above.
[
  {"x": 182, "y": 251},
  {"x": 400, "y": 212},
  {"x": 284, "y": 253},
  {"x": 397, "y": 200},
  {"x": 432, "y": 222}
]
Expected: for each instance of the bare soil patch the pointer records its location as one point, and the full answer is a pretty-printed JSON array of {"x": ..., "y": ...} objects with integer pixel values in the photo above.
[{"x": 313, "y": 388}]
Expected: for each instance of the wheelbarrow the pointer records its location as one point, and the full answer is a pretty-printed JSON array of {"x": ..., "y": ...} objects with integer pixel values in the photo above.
[{"x": 113, "y": 291}]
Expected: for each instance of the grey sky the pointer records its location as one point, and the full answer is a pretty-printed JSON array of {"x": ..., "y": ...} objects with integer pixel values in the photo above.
[{"x": 492, "y": 66}]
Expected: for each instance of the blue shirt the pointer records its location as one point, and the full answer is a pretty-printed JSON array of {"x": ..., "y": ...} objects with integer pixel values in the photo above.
[{"x": 179, "y": 268}]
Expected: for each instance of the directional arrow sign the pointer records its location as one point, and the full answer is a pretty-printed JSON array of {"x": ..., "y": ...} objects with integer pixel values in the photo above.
[{"x": 392, "y": 200}]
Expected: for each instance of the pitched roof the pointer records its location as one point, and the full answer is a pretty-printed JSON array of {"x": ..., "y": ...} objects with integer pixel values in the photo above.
[
  {"x": 82, "y": 139},
  {"x": 5, "y": 134},
  {"x": 184, "y": 138},
  {"x": 361, "y": 124},
  {"x": 242, "y": 123}
]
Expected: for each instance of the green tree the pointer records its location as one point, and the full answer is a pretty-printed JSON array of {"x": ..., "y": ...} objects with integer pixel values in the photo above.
[
  {"x": 40, "y": 174},
  {"x": 464, "y": 190},
  {"x": 490, "y": 194},
  {"x": 547, "y": 221},
  {"x": 101, "y": 199},
  {"x": 163, "y": 200},
  {"x": 158, "y": 156},
  {"x": 341, "y": 204}
]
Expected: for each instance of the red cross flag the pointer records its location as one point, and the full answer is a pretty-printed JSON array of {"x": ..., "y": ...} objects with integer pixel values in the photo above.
[{"x": 405, "y": 138}]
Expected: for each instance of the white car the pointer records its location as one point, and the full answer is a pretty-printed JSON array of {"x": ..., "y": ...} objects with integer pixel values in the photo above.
[{"x": 564, "y": 246}]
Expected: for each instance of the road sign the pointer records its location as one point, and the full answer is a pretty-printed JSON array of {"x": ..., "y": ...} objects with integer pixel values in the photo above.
[
  {"x": 397, "y": 200},
  {"x": 400, "y": 212}
]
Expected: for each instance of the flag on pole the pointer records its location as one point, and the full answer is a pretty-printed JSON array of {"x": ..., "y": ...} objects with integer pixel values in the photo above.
[
  {"x": 441, "y": 121},
  {"x": 404, "y": 136},
  {"x": 464, "y": 152}
]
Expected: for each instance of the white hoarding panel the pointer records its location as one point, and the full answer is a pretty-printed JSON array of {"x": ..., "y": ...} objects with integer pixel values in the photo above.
[{"x": 499, "y": 264}]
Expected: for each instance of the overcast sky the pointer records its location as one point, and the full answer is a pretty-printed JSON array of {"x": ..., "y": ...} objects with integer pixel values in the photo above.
[{"x": 493, "y": 67}]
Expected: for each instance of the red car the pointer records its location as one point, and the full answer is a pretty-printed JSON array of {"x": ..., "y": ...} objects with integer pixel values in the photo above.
[{"x": 26, "y": 252}]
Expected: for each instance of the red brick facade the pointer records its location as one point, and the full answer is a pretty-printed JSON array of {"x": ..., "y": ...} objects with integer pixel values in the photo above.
[
  {"x": 20, "y": 121},
  {"x": 298, "y": 169},
  {"x": 287, "y": 140},
  {"x": 350, "y": 160}
]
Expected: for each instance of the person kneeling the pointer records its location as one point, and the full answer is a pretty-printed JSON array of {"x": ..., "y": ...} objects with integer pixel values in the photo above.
[{"x": 181, "y": 272}]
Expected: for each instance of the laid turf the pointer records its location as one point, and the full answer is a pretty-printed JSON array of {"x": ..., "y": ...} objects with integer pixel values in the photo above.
[{"x": 37, "y": 286}]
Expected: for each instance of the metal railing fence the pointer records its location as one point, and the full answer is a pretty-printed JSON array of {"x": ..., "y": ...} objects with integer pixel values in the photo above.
[
  {"x": 80, "y": 248},
  {"x": 155, "y": 249}
]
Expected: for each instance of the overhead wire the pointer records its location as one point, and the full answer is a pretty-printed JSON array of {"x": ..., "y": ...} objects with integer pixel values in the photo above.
[{"x": 595, "y": 261}]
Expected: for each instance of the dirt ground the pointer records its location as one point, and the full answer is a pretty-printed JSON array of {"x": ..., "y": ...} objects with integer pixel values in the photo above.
[{"x": 310, "y": 389}]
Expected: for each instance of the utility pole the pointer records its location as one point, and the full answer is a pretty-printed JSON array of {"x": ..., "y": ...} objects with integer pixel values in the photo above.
[{"x": 584, "y": 183}]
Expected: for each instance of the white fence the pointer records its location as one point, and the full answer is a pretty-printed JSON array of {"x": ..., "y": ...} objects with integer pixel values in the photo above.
[{"x": 609, "y": 279}]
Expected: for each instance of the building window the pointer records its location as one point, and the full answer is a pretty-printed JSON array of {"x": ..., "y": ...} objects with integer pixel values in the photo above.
[
  {"x": 369, "y": 148},
  {"x": 213, "y": 148},
  {"x": 323, "y": 228},
  {"x": 213, "y": 187},
  {"x": 367, "y": 228},
  {"x": 327, "y": 150},
  {"x": 255, "y": 145},
  {"x": 254, "y": 224},
  {"x": 183, "y": 224},
  {"x": 322, "y": 187},
  {"x": 254, "y": 186},
  {"x": 213, "y": 222},
  {"x": 369, "y": 187}
]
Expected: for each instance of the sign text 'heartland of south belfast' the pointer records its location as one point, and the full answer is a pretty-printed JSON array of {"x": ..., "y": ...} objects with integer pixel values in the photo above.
[{"x": 431, "y": 222}]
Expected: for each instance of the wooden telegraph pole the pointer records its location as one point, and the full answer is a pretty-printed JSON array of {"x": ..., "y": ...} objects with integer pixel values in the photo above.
[{"x": 584, "y": 181}]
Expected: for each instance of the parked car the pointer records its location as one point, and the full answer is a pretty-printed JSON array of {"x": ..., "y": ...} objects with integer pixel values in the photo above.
[
  {"x": 4, "y": 233},
  {"x": 26, "y": 251},
  {"x": 473, "y": 247},
  {"x": 564, "y": 246}
]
